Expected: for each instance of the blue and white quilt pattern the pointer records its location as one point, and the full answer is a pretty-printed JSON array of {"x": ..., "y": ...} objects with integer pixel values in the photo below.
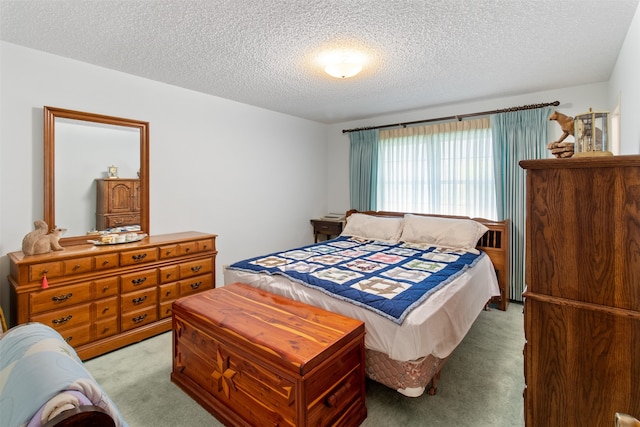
[{"x": 387, "y": 278}]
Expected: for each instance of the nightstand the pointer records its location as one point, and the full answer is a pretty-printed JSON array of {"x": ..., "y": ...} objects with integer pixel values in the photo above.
[{"x": 326, "y": 227}]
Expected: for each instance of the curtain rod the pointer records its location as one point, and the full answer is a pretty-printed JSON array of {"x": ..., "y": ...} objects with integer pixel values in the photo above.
[{"x": 459, "y": 117}]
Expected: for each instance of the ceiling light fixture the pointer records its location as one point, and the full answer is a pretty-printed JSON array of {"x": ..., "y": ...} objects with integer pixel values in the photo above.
[{"x": 343, "y": 65}]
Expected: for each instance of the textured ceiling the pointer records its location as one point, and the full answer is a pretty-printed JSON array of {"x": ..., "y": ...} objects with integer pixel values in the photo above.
[{"x": 263, "y": 52}]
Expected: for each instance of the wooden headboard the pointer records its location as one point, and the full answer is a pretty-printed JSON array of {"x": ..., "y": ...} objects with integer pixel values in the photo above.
[{"x": 495, "y": 242}]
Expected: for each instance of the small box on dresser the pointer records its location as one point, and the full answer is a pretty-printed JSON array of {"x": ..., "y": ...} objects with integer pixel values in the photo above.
[
  {"x": 100, "y": 298},
  {"x": 253, "y": 358}
]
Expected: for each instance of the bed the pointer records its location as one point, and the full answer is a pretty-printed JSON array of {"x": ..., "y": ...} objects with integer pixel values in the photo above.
[
  {"x": 44, "y": 383},
  {"x": 372, "y": 263}
]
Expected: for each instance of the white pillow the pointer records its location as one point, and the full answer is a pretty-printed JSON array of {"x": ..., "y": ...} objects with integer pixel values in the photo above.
[
  {"x": 373, "y": 227},
  {"x": 448, "y": 232}
]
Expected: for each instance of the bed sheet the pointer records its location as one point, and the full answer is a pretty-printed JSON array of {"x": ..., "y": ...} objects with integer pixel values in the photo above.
[{"x": 435, "y": 327}]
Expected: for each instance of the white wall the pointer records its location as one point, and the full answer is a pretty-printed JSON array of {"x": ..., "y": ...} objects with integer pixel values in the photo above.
[
  {"x": 252, "y": 176},
  {"x": 573, "y": 100},
  {"x": 624, "y": 86}
]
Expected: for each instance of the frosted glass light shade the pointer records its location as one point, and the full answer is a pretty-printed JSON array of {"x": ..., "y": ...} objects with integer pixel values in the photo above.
[
  {"x": 343, "y": 65},
  {"x": 343, "y": 70}
]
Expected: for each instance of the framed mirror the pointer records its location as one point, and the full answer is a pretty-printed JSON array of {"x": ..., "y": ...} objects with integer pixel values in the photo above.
[{"x": 96, "y": 173}]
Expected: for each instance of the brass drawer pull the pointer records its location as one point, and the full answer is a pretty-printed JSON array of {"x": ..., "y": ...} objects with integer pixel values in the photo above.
[
  {"x": 105, "y": 262},
  {"x": 139, "y": 300},
  {"x": 139, "y": 257},
  {"x": 68, "y": 339},
  {"x": 139, "y": 318},
  {"x": 196, "y": 285},
  {"x": 196, "y": 268},
  {"x": 76, "y": 267},
  {"x": 62, "y": 320},
  {"x": 139, "y": 281},
  {"x": 62, "y": 297}
]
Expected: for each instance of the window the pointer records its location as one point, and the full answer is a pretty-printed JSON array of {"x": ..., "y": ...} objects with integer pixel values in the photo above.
[{"x": 440, "y": 169}]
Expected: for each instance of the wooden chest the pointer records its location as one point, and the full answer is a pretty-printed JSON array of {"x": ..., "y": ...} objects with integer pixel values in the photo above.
[{"x": 252, "y": 358}]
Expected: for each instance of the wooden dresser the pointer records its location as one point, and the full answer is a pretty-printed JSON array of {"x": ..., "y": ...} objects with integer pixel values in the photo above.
[
  {"x": 582, "y": 298},
  {"x": 118, "y": 202},
  {"x": 253, "y": 358},
  {"x": 105, "y": 297}
]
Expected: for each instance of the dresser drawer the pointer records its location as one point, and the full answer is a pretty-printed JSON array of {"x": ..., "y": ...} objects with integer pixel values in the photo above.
[
  {"x": 168, "y": 251},
  {"x": 134, "y": 301},
  {"x": 56, "y": 298},
  {"x": 169, "y": 274},
  {"x": 111, "y": 221},
  {"x": 194, "y": 268},
  {"x": 77, "y": 266},
  {"x": 49, "y": 269},
  {"x": 67, "y": 318},
  {"x": 139, "y": 318},
  {"x": 139, "y": 256},
  {"x": 77, "y": 336},
  {"x": 106, "y": 328},
  {"x": 195, "y": 284},
  {"x": 206, "y": 245},
  {"x": 105, "y": 287},
  {"x": 103, "y": 262},
  {"x": 169, "y": 292},
  {"x": 107, "y": 307},
  {"x": 139, "y": 280},
  {"x": 166, "y": 309}
]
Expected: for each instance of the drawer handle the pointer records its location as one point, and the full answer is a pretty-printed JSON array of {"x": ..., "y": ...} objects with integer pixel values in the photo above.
[
  {"x": 187, "y": 250},
  {"x": 139, "y": 318},
  {"x": 196, "y": 285},
  {"x": 168, "y": 252},
  {"x": 62, "y": 320},
  {"x": 61, "y": 298},
  {"x": 139, "y": 257},
  {"x": 332, "y": 400},
  {"x": 105, "y": 262},
  {"x": 68, "y": 339},
  {"x": 44, "y": 272},
  {"x": 139, "y": 281},
  {"x": 104, "y": 310},
  {"x": 140, "y": 300},
  {"x": 196, "y": 268},
  {"x": 76, "y": 267}
]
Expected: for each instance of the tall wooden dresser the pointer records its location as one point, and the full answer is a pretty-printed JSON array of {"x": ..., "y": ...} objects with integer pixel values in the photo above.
[
  {"x": 582, "y": 298},
  {"x": 117, "y": 202},
  {"x": 105, "y": 297}
]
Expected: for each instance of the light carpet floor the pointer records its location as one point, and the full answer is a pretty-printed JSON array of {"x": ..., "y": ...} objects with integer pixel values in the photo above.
[{"x": 481, "y": 385}]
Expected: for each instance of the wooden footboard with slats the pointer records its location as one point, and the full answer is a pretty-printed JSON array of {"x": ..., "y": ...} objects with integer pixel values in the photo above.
[{"x": 495, "y": 242}]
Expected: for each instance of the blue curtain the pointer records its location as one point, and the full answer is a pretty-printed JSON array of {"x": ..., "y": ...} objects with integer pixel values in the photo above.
[
  {"x": 518, "y": 135},
  {"x": 363, "y": 169}
]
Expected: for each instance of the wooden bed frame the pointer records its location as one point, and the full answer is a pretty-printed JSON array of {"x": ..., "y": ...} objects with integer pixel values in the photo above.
[
  {"x": 414, "y": 374},
  {"x": 495, "y": 242}
]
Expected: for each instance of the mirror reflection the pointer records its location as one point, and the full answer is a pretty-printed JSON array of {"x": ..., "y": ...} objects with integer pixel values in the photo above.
[
  {"x": 85, "y": 152},
  {"x": 96, "y": 174}
]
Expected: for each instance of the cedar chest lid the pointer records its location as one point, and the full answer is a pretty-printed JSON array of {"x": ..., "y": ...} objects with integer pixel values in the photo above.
[{"x": 289, "y": 333}]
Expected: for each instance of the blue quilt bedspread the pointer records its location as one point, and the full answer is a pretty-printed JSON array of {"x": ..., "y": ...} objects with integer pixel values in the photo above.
[{"x": 388, "y": 278}]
